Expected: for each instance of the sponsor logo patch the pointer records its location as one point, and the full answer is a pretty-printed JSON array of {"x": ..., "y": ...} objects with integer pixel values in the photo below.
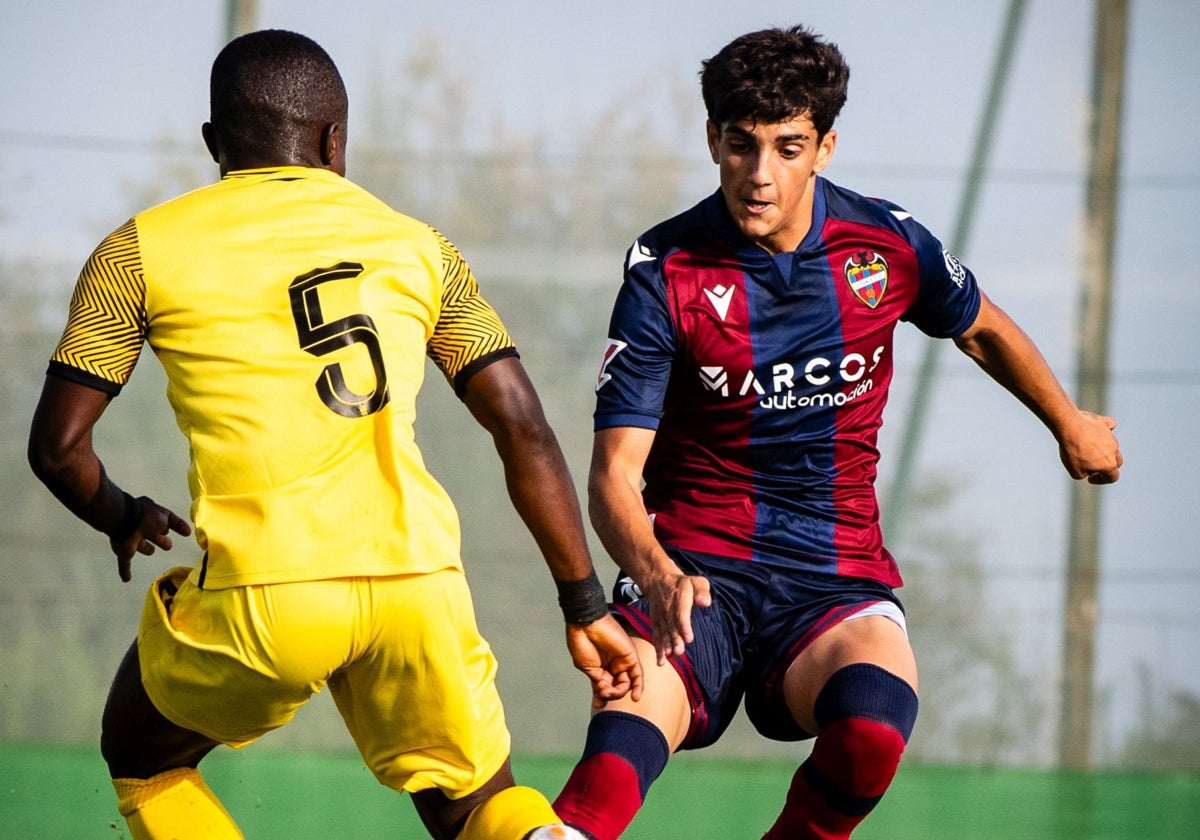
[
  {"x": 720, "y": 298},
  {"x": 639, "y": 253},
  {"x": 957, "y": 273},
  {"x": 611, "y": 348}
]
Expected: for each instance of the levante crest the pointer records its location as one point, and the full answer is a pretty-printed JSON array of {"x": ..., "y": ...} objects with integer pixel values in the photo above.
[{"x": 867, "y": 274}]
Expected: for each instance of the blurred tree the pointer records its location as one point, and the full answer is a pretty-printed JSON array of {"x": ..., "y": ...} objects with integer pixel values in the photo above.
[
  {"x": 176, "y": 166},
  {"x": 977, "y": 707},
  {"x": 1169, "y": 736},
  {"x": 431, "y": 149}
]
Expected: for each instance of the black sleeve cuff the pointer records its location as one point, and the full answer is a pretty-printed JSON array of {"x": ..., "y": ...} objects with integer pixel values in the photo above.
[
  {"x": 460, "y": 381},
  {"x": 82, "y": 377}
]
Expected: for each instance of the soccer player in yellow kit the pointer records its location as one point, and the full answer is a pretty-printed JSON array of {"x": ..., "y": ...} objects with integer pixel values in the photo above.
[{"x": 293, "y": 312}]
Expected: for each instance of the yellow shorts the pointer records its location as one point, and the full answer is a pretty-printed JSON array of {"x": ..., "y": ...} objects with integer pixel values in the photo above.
[{"x": 410, "y": 673}]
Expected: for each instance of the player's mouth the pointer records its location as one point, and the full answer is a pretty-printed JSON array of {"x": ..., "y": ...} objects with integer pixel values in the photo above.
[{"x": 756, "y": 208}]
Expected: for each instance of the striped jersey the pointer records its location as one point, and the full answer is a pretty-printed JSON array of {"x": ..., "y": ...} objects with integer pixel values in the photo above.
[
  {"x": 293, "y": 313},
  {"x": 765, "y": 377}
]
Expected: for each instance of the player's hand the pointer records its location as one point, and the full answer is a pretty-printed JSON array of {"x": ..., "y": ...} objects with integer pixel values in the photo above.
[
  {"x": 671, "y": 596},
  {"x": 604, "y": 652},
  {"x": 154, "y": 529},
  {"x": 1089, "y": 449}
]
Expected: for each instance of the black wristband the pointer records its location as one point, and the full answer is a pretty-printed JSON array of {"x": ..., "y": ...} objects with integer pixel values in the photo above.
[
  {"x": 131, "y": 518},
  {"x": 582, "y": 601}
]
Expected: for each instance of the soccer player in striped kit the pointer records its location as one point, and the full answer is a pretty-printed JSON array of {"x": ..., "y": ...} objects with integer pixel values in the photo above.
[{"x": 738, "y": 406}]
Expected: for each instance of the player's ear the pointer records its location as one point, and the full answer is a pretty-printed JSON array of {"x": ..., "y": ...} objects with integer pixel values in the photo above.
[
  {"x": 333, "y": 148},
  {"x": 825, "y": 150},
  {"x": 210, "y": 140}
]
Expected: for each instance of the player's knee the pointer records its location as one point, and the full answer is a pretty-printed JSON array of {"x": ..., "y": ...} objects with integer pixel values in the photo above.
[
  {"x": 867, "y": 691},
  {"x": 866, "y": 716},
  {"x": 120, "y": 747},
  {"x": 137, "y": 742}
]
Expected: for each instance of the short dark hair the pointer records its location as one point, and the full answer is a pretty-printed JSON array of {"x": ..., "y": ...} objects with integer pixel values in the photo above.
[
  {"x": 269, "y": 87},
  {"x": 773, "y": 75}
]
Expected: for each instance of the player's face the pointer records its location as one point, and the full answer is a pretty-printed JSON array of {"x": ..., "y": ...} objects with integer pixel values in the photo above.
[{"x": 768, "y": 175}]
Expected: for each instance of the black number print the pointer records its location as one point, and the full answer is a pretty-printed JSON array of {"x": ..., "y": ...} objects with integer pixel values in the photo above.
[{"x": 320, "y": 337}]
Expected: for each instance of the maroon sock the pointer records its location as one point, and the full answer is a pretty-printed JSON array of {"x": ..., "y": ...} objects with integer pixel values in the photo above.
[
  {"x": 866, "y": 715},
  {"x": 622, "y": 756}
]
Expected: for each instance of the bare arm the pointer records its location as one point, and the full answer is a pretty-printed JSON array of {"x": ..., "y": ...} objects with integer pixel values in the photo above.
[
  {"x": 1087, "y": 446},
  {"x": 620, "y": 520},
  {"x": 61, "y": 455},
  {"x": 504, "y": 402}
]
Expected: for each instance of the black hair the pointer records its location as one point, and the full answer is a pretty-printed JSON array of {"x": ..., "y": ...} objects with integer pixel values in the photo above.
[
  {"x": 774, "y": 75},
  {"x": 270, "y": 88}
]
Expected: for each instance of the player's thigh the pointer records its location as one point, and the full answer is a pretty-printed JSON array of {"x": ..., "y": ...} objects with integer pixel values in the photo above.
[
  {"x": 875, "y": 640},
  {"x": 421, "y": 701},
  {"x": 236, "y": 663},
  {"x": 136, "y": 741},
  {"x": 664, "y": 701}
]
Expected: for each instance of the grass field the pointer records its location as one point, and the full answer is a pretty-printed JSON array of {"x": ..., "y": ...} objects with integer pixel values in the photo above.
[{"x": 52, "y": 793}]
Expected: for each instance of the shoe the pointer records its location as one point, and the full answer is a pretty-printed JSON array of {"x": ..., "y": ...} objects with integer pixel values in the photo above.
[{"x": 555, "y": 832}]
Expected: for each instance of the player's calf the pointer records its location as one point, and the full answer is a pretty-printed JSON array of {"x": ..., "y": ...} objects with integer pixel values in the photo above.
[
  {"x": 622, "y": 756},
  {"x": 865, "y": 715}
]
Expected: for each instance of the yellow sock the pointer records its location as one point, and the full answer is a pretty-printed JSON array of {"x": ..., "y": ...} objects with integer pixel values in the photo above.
[
  {"x": 174, "y": 805},
  {"x": 509, "y": 815}
]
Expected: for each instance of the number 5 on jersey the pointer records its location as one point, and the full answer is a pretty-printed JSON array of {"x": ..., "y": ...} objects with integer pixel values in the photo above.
[{"x": 320, "y": 338}]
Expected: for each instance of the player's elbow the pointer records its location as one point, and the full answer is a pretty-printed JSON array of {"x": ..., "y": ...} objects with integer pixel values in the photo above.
[
  {"x": 602, "y": 487},
  {"x": 51, "y": 459}
]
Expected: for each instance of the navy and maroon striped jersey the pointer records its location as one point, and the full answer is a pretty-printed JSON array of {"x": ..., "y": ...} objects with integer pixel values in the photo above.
[{"x": 766, "y": 376}]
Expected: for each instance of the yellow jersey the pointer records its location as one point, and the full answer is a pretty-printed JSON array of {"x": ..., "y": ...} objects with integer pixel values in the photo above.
[{"x": 292, "y": 312}]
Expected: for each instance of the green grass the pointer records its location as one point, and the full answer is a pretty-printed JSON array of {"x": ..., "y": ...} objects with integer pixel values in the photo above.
[{"x": 53, "y": 793}]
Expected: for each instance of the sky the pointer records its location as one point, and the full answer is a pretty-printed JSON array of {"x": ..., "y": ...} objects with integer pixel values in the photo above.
[{"x": 89, "y": 88}]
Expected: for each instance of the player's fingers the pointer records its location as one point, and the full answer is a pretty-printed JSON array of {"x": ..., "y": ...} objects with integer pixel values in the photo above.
[
  {"x": 123, "y": 567},
  {"x": 669, "y": 642},
  {"x": 1105, "y": 477},
  {"x": 636, "y": 680},
  {"x": 676, "y": 644},
  {"x": 162, "y": 541},
  {"x": 668, "y": 645},
  {"x": 618, "y": 688},
  {"x": 178, "y": 524}
]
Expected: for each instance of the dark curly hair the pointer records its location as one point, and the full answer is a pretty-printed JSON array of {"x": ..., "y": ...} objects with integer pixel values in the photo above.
[
  {"x": 774, "y": 75},
  {"x": 271, "y": 87}
]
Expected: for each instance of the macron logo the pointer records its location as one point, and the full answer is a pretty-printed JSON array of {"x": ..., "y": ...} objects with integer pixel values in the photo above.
[
  {"x": 720, "y": 298},
  {"x": 611, "y": 349},
  {"x": 639, "y": 253},
  {"x": 715, "y": 378}
]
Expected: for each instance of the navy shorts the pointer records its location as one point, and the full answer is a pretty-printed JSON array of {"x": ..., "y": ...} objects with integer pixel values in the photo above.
[{"x": 760, "y": 619}]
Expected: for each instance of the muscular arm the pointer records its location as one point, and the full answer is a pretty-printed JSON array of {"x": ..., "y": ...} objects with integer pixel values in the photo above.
[
  {"x": 620, "y": 520},
  {"x": 61, "y": 456},
  {"x": 1087, "y": 446},
  {"x": 504, "y": 402}
]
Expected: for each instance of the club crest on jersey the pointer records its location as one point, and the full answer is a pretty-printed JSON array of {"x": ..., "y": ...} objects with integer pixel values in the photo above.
[{"x": 867, "y": 274}]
